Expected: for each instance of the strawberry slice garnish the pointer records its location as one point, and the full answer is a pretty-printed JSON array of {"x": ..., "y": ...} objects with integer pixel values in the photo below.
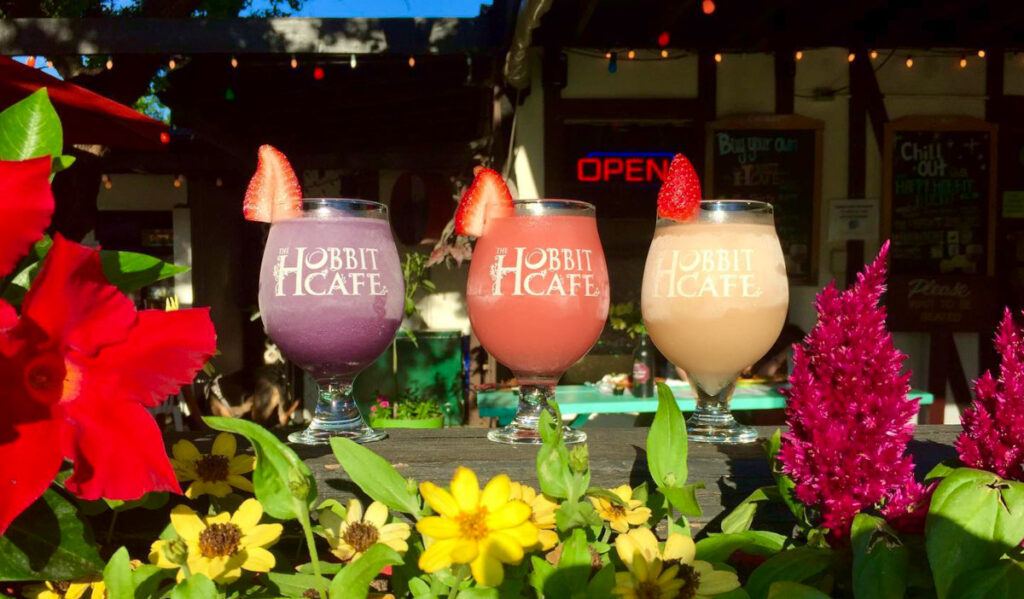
[
  {"x": 486, "y": 199},
  {"x": 679, "y": 196},
  {"x": 274, "y": 192}
]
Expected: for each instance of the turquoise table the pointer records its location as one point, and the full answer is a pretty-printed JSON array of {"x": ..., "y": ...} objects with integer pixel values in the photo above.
[{"x": 584, "y": 400}]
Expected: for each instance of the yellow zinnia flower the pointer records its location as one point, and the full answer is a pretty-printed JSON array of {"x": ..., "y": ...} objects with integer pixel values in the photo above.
[
  {"x": 621, "y": 517},
  {"x": 542, "y": 514},
  {"x": 67, "y": 589},
  {"x": 484, "y": 530},
  {"x": 214, "y": 473},
  {"x": 351, "y": 536},
  {"x": 639, "y": 550},
  {"x": 219, "y": 546}
]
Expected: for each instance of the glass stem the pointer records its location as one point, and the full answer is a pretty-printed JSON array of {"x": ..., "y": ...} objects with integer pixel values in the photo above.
[
  {"x": 713, "y": 408},
  {"x": 336, "y": 406},
  {"x": 534, "y": 397}
]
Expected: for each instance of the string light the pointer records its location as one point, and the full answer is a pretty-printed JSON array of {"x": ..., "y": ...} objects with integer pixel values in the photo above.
[
  {"x": 31, "y": 61},
  {"x": 412, "y": 61},
  {"x": 963, "y": 62},
  {"x": 718, "y": 57},
  {"x": 608, "y": 55},
  {"x": 631, "y": 54},
  {"x": 910, "y": 61},
  {"x": 663, "y": 39},
  {"x": 613, "y": 62},
  {"x": 981, "y": 54},
  {"x": 851, "y": 57},
  {"x": 219, "y": 182},
  {"x": 49, "y": 64},
  {"x": 171, "y": 64},
  {"x": 106, "y": 181},
  {"x": 664, "y": 53},
  {"x": 799, "y": 55},
  {"x": 352, "y": 61},
  {"x": 708, "y": 6},
  {"x": 110, "y": 63},
  {"x": 177, "y": 181},
  {"x": 874, "y": 54},
  {"x": 234, "y": 62},
  {"x": 318, "y": 73},
  {"x": 295, "y": 63},
  {"x": 165, "y": 137}
]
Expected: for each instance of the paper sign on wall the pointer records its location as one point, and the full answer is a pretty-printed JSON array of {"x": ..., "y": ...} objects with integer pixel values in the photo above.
[{"x": 853, "y": 219}]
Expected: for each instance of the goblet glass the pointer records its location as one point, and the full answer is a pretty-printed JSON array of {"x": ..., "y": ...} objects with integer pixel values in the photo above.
[
  {"x": 538, "y": 299},
  {"x": 331, "y": 297},
  {"x": 714, "y": 299}
]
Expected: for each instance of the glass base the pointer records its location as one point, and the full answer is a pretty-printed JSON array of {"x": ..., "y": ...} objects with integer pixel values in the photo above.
[
  {"x": 700, "y": 431},
  {"x": 320, "y": 434},
  {"x": 515, "y": 435}
]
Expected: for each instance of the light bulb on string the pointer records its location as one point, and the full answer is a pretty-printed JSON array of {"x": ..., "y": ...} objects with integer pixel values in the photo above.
[
  {"x": 631, "y": 54},
  {"x": 707, "y": 6},
  {"x": 171, "y": 64},
  {"x": 49, "y": 64},
  {"x": 295, "y": 63},
  {"x": 165, "y": 137},
  {"x": 664, "y": 53},
  {"x": 981, "y": 54},
  {"x": 219, "y": 182},
  {"x": 177, "y": 181},
  {"x": 718, "y": 57},
  {"x": 613, "y": 62},
  {"x": 110, "y": 63},
  {"x": 963, "y": 62},
  {"x": 412, "y": 61},
  {"x": 663, "y": 39},
  {"x": 352, "y": 61},
  {"x": 874, "y": 54},
  {"x": 107, "y": 184},
  {"x": 910, "y": 62},
  {"x": 851, "y": 57},
  {"x": 799, "y": 55},
  {"x": 318, "y": 73},
  {"x": 608, "y": 55},
  {"x": 234, "y": 62},
  {"x": 31, "y": 61}
]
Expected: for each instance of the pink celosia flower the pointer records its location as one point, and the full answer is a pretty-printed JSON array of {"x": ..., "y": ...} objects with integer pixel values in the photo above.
[
  {"x": 385, "y": 403},
  {"x": 848, "y": 412},
  {"x": 993, "y": 436}
]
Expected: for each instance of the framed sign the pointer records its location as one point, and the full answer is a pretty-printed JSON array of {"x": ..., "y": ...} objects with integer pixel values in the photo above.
[{"x": 775, "y": 159}]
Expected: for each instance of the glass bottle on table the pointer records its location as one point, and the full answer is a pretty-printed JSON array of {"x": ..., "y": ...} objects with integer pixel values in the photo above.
[
  {"x": 537, "y": 298},
  {"x": 643, "y": 368},
  {"x": 332, "y": 297},
  {"x": 714, "y": 299}
]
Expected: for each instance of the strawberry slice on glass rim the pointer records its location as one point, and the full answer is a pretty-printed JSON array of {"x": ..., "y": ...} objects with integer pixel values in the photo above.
[
  {"x": 274, "y": 192},
  {"x": 680, "y": 194},
  {"x": 486, "y": 199}
]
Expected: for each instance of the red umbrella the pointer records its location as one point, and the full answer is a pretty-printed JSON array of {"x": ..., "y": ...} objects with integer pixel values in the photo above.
[{"x": 87, "y": 117}]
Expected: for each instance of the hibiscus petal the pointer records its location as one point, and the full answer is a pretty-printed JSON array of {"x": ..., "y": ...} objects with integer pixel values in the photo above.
[
  {"x": 466, "y": 489},
  {"x": 99, "y": 315},
  {"x": 162, "y": 352},
  {"x": 225, "y": 445},
  {"x": 117, "y": 450},
  {"x": 8, "y": 317},
  {"x": 26, "y": 204},
  {"x": 30, "y": 457}
]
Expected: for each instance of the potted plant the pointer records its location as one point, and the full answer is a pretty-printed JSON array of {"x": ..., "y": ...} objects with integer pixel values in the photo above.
[{"x": 412, "y": 408}]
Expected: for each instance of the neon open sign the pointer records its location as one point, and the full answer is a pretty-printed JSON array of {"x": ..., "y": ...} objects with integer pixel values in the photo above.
[{"x": 623, "y": 167}]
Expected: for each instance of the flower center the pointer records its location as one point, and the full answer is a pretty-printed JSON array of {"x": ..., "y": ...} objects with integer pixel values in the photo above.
[
  {"x": 219, "y": 540},
  {"x": 311, "y": 594},
  {"x": 648, "y": 589},
  {"x": 62, "y": 586},
  {"x": 45, "y": 377},
  {"x": 473, "y": 525},
  {"x": 617, "y": 511},
  {"x": 361, "y": 536},
  {"x": 691, "y": 581},
  {"x": 212, "y": 468}
]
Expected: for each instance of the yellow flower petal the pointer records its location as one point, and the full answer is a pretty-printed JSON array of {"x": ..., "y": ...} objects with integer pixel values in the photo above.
[
  {"x": 626, "y": 546},
  {"x": 354, "y": 511},
  {"x": 496, "y": 493},
  {"x": 619, "y": 524},
  {"x": 439, "y": 500},
  {"x": 547, "y": 539},
  {"x": 331, "y": 523},
  {"x": 258, "y": 559},
  {"x": 224, "y": 445},
  {"x": 76, "y": 590},
  {"x": 465, "y": 551},
  {"x": 157, "y": 557},
  {"x": 240, "y": 482},
  {"x": 487, "y": 571},
  {"x": 398, "y": 545},
  {"x": 526, "y": 534},
  {"x": 395, "y": 530},
  {"x": 242, "y": 464},
  {"x": 376, "y": 514},
  {"x": 466, "y": 489},
  {"x": 344, "y": 551},
  {"x": 679, "y": 547},
  {"x": 247, "y": 515},
  {"x": 438, "y": 556},
  {"x": 638, "y": 516},
  {"x": 196, "y": 489},
  {"x": 221, "y": 518},
  {"x": 503, "y": 548},
  {"x": 185, "y": 471},
  {"x": 625, "y": 492},
  {"x": 185, "y": 451},
  {"x": 262, "y": 535},
  {"x": 437, "y": 527},
  {"x": 186, "y": 523},
  {"x": 509, "y": 515},
  {"x": 219, "y": 488}
]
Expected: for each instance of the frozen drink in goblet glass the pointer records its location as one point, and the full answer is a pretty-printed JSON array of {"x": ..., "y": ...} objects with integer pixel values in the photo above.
[{"x": 331, "y": 297}]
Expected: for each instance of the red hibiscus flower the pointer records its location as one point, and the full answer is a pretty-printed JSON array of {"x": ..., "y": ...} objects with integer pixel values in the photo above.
[
  {"x": 26, "y": 204},
  {"x": 80, "y": 366}
]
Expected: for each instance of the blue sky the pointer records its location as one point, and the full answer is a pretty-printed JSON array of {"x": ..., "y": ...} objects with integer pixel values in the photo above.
[{"x": 386, "y": 8}]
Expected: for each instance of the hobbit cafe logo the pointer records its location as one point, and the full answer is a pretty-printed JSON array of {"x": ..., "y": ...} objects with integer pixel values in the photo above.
[
  {"x": 328, "y": 271},
  {"x": 705, "y": 273},
  {"x": 543, "y": 271}
]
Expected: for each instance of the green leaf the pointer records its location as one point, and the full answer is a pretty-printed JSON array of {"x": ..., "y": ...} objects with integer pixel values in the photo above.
[
  {"x": 666, "y": 442},
  {"x": 353, "y": 582},
  {"x": 129, "y": 271},
  {"x": 783, "y": 482},
  {"x": 60, "y": 163},
  {"x": 718, "y": 547},
  {"x": 742, "y": 516},
  {"x": 684, "y": 498},
  {"x": 197, "y": 586},
  {"x": 601, "y": 585},
  {"x": 1003, "y": 581},
  {"x": 975, "y": 517},
  {"x": 375, "y": 476},
  {"x": 30, "y": 129},
  {"x": 542, "y": 571},
  {"x": 420, "y": 589},
  {"x": 942, "y": 470},
  {"x": 573, "y": 566},
  {"x": 48, "y": 541},
  {"x": 605, "y": 494},
  {"x": 577, "y": 514},
  {"x": 147, "y": 578},
  {"x": 879, "y": 560},
  {"x": 283, "y": 483},
  {"x": 794, "y": 590},
  {"x": 294, "y": 585},
  {"x": 553, "y": 472},
  {"x": 478, "y": 593},
  {"x": 795, "y": 565},
  {"x": 118, "y": 576}
]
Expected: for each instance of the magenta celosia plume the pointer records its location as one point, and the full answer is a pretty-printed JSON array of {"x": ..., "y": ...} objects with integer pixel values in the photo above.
[
  {"x": 993, "y": 437},
  {"x": 848, "y": 411}
]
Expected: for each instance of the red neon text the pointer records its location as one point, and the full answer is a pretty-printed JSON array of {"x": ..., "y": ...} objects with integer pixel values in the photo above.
[{"x": 633, "y": 169}]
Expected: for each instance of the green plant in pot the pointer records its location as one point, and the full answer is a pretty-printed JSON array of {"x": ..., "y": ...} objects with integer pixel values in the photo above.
[{"x": 413, "y": 407}]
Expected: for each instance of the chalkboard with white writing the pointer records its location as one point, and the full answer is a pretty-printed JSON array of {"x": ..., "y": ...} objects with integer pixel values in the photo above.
[
  {"x": 775, "y": 159},
  {"x": 939, "y": 195}
]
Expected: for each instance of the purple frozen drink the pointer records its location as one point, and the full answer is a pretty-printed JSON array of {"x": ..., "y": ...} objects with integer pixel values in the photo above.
[{"x": 332, "y": 297}]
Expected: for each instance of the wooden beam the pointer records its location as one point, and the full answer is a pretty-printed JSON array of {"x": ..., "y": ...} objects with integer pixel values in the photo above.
[
  {"x": 242, "y": 36},
  {"x": 785, "y": 81},
  {"x": 994, "y": 79},
  {"x": 862, "y": 71},
  {"x": 856, "y": 173}
]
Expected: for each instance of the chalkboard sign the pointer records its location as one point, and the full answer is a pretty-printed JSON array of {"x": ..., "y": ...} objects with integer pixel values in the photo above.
[
  {"x": 939, "y": 202},
  {"x": 775, "y": 159}
]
